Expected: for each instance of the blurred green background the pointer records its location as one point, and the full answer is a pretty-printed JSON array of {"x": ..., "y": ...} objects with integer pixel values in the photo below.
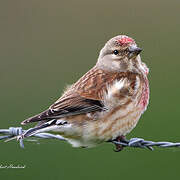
[{"x": 45, "y": 45}]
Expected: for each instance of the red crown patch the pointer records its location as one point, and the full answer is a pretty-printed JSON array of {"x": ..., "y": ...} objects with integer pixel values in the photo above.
[{"x": 125, "y": 40}]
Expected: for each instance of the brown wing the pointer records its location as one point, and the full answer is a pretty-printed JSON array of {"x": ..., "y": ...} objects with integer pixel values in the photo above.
[
  {"x": 73, "y": 104},
  {"x": 85, "y": 96},
  {"x": 73, "y": 101}
]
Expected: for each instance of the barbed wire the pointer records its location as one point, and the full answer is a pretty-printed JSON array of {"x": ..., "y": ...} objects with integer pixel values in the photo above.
[{"x": 13, "y": 132}]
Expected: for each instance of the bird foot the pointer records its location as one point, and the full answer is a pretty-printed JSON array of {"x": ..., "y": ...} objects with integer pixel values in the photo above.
[{"x": 119, "y": 147}]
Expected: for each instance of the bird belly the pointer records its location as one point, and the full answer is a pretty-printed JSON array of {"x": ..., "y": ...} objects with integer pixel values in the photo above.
[
  {"x": 94, "y": 132},
  {"x": 120, "y": 124},
  {"x": 113, "y": 124}
]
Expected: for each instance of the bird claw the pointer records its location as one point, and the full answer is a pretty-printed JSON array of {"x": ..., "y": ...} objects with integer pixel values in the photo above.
[{"x": 119, "y": 147}]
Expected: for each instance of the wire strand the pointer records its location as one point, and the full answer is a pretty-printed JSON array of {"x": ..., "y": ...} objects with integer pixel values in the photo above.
[{"x": 14, "y": 132}]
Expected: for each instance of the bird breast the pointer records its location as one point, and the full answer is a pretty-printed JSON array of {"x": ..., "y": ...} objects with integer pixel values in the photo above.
[{"x": 126, "y": 102}]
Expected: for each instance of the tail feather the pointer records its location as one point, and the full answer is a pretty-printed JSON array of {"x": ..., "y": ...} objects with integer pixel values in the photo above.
[
  {"x": 42, "y": 128},
  {"x": 40, "y": 117}
]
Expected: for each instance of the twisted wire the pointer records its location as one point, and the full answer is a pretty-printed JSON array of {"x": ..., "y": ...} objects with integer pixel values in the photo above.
[{"x": 13, "y": 132}]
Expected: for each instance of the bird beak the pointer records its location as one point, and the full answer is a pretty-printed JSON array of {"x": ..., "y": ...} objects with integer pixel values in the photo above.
[{"x": 134, "y": 51}]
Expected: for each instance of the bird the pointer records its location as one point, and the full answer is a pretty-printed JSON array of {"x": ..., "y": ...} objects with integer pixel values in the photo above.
[{"x": 105, "y": 104}]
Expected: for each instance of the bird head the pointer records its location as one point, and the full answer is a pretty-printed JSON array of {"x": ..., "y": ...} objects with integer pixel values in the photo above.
[{"x": 120, "y": 54}]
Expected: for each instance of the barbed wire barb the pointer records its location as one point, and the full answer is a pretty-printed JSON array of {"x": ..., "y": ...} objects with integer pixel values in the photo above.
[{"x": 14, "y": 132}]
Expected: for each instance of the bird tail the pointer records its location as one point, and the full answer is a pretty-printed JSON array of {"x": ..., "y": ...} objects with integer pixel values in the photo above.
[
  {"x": 47, "y": 126},
  {"x": 42, "y": 127}
]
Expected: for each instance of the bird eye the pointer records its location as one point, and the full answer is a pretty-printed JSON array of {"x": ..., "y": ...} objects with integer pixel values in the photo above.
[{"x": 115, "y": 52}]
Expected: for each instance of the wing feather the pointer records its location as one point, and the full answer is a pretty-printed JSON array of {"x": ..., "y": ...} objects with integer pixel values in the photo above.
[{"x": 68, "y": 106}]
